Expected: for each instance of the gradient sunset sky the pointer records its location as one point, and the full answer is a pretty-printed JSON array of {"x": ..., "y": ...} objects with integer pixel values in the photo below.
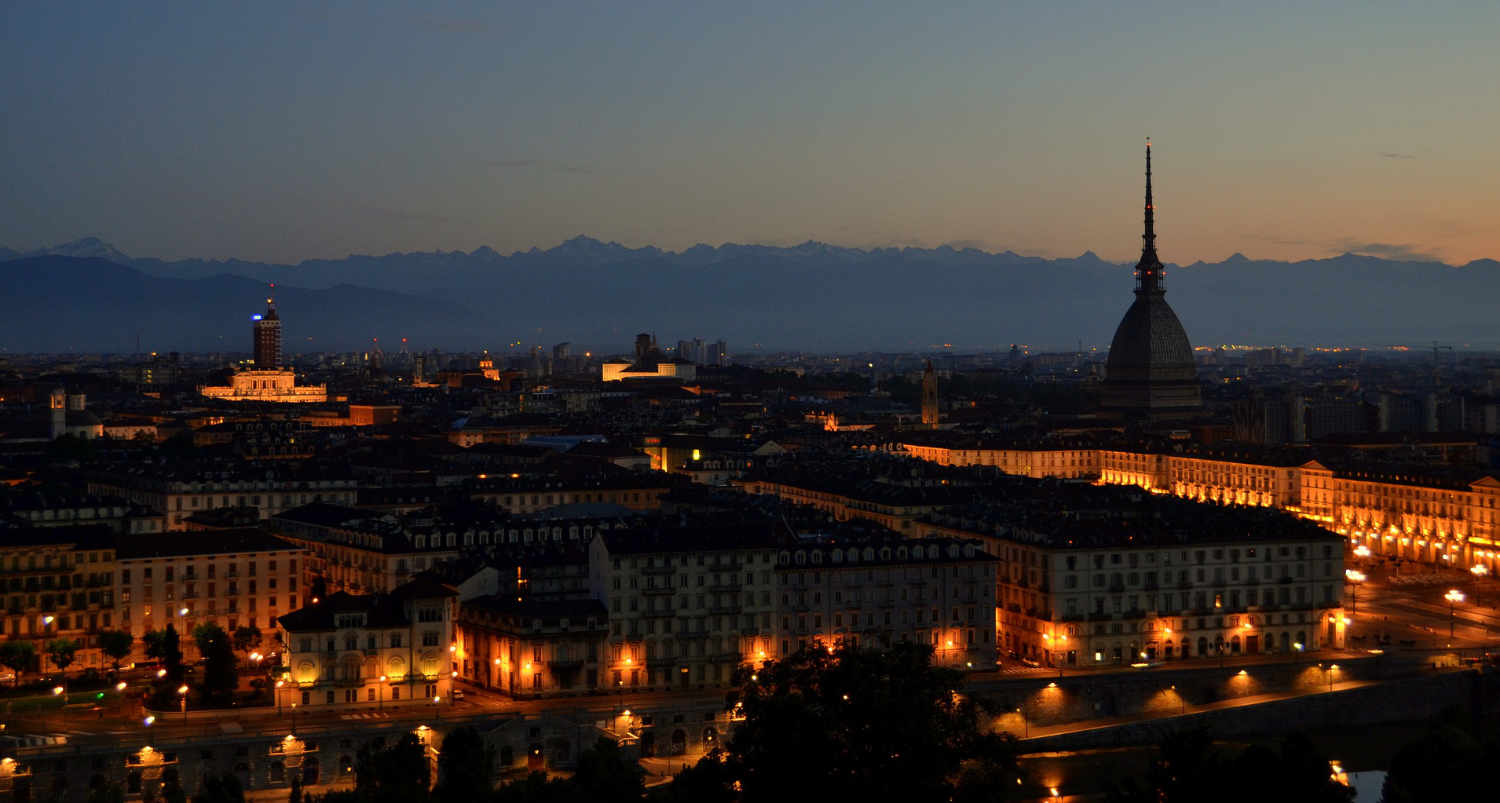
[{"x": 285, "y": 131}]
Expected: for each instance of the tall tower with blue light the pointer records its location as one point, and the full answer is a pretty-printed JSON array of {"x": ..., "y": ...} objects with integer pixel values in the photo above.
[{"x": 266, "y": 334}]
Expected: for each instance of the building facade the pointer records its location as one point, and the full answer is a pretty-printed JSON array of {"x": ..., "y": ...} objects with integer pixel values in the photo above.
[
  {"x": 231, "y": 578},
  {"x": 58, "y": 583},
  {"x": 529, "y": 648},
  {"x": 1455, "y": 516},
  {"x": 355, "y": 650}
]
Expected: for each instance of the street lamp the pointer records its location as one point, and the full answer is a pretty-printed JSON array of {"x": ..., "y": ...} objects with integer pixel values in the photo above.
[
  {"x": 182, "y": 695},
  {"x": 1361, "y": 551},
  {"x": 279, "y": 684},
  {"x": 380, "y": 693},
  {"x": 1355, "y": 577},
  {"x": 1479, "y": 570},
  {"x": 1454, "y": 596}
]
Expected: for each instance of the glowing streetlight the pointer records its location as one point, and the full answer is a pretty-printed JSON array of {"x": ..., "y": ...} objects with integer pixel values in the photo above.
[
  {"x": 182, "y": 696},
  {"x": 1454, "y": 596},
  {"x": 149, "y": 721},
  {"x": 1354, "y": 577},
  {"x": 1479, "y": 570},
  {"x": 1362, "y": 551}
]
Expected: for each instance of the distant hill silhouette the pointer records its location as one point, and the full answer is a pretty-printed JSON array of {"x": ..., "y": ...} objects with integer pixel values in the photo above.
[
  {"x": 810, "y": 296},
  {"x": 60, "y": 303}
]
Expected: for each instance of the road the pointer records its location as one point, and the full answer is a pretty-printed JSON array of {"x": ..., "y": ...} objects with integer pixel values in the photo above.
[{"x": 1406, "y": 603}]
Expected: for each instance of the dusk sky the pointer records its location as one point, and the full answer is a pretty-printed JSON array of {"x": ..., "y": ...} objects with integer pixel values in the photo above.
[{"x": 285, "y": 131}]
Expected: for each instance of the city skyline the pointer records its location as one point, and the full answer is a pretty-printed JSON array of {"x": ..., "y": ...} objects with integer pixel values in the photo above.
[{"x": 1002, "y": 129}]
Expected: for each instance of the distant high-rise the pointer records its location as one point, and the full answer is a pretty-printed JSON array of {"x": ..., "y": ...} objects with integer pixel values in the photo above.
[
  {"x": 720, "y": 354},
  {"x": 1150, "y": 369},
  {"x": 929, "y": 397},
  {"x": 266, "y": 334},
  {"x": 266, "y": 381},
  {"x": 644, "y": 345}
]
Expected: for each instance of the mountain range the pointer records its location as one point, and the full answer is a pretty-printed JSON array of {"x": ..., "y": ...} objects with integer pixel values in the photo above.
[{"x": 88, "y": 296}]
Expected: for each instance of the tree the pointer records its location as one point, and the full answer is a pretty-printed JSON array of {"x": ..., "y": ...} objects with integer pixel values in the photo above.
[
  {"x": 708, "y": 781},
  {"x": 220, "y": 673},
  {"x": 605, "y": 774},
  {"x": 465, "y": 767},
  {"x": 220, "y": 788},
  {"x": 246, "y": 638},
  {"x": 117, "y": 645},
  {"x": 102, "y": 791},
  {"x": 171, "y": 786},
  {"x": 166, "y": 647},
  {"x": 18, "y": 656},
  {"x": 536, "y": 788},
  {"x": 1190, "y": 767},
  {"x": 1442, "y": 765},
  {"x": 395, "y": 774},
  {"x": 993, "y": 773},
  {"x": 878, "y": 725},
  {"x": 61, "y": 651}
]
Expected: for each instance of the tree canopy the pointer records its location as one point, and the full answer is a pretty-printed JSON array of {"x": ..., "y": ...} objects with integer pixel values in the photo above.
[
  {"x": 117, "y": 645},
  {"x": 18, "y": 656},
  {"x": 875, "y": 723},
  {"x": 1191, "y": 767},
  {"x": 220, "y": 673}
]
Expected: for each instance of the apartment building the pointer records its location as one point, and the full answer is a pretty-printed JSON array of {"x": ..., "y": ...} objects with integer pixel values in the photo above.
[
  {"x": 177, "y": 493},
  {"x": 880, "y": 590},
  {"x": 58, "y": 582},
  {"x": 363, "y": 650},
  {"x": 361, "y": 552},
  {"x": 1437, "y": 514},
  {"x": 686, "y": 604},
  {"x": 232, "y": 578},
  {"x": 528, "y": 648},
  {"x": 1090, "y": 575}
]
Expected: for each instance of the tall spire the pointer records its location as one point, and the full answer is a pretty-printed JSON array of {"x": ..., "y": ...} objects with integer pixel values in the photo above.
[{"x": 1149, "y": 271}]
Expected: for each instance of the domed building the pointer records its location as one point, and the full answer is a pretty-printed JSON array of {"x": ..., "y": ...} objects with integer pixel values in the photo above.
[{"x": 1150, "y": 371}]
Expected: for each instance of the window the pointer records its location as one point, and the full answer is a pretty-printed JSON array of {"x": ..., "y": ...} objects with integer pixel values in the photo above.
[{"x": 429, "y": 638}]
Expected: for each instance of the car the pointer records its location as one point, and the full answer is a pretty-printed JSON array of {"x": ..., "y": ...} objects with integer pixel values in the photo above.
[{"x": 458, "y": 694}]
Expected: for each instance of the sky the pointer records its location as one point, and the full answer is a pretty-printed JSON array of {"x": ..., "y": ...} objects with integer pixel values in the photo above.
[{"x": 286, "y": 131}]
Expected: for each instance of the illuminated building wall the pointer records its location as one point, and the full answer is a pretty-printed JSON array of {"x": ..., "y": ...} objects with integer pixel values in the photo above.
[
  {"x": 1455, "y": 525},
  {"x": 231, "y": 578},
  {"x": 59, "y": 584},
  {"x": 1074, "y": 606},
  {"x": 679, "y": 616},
  {"x": 361, "y": 650},
  {"x": 265, "y": 386},
  {"x": 619, "y": 370},
  {"x": 939, "y": 592},
  {"x": 893, "y": 516},
  {"x": 525, "y": 648}
]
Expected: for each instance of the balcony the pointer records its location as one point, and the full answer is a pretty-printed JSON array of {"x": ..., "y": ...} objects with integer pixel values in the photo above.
[
  {"x": 659, "y": 592},
  {"x": 658, "y": 570},
  {"x": 724, "y": 609}
]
